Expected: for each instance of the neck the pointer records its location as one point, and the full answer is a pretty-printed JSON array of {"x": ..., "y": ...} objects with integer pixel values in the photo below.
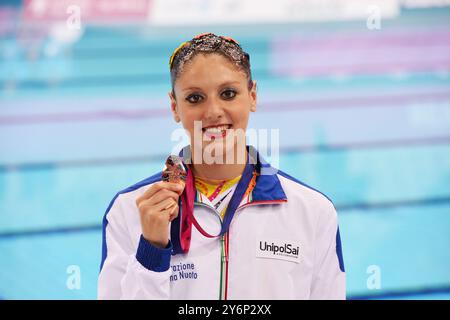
[{"x": 218, "y": 171}]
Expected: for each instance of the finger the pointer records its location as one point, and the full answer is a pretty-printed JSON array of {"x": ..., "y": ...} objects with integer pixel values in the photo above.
[
  {"x": 175, "y": 187},
  {"x": 171, "y": 211},
  {"x": 145, "y": 205},
  {"x": 164, "y": 194},
  {"x": 173, "y": 204},
  {"x": 181, "y": 185},
  {"x": 165, "y": 204},
  {"x": 174, "y": 213}
]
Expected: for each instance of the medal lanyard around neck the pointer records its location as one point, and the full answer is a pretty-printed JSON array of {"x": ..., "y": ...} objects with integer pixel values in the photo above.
[
  {"x": 181, "y": 226},
  {"x": 235, "y": 200}
]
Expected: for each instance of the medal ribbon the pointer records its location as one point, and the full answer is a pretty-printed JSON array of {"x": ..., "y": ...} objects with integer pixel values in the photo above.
[{"x": 181, "y": 227}]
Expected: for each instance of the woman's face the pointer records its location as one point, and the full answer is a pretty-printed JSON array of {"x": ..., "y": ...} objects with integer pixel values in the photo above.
[{"x": 213, "y": 92}]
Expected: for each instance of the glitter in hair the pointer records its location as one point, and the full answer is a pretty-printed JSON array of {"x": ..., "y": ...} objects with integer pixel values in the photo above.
[{"x": 209, "y": 43}]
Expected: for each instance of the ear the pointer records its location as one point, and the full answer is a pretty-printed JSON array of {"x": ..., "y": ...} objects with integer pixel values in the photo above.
[
  {"x": 253, "y": 96},
  {"x": 173, "y": 107}
]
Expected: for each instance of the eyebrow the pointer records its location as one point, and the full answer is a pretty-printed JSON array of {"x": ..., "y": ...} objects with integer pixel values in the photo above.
[{"x": 226, "y": 83}]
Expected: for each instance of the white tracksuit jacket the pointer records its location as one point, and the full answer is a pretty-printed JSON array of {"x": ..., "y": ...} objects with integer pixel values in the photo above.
[{"x": 284, "y": 243}]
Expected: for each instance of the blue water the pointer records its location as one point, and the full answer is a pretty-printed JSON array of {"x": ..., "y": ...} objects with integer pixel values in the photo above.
[{"x": 66, "y": 149}]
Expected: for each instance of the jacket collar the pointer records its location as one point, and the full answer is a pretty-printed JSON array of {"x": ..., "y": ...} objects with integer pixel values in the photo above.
[{"x": 268, "y": 188}]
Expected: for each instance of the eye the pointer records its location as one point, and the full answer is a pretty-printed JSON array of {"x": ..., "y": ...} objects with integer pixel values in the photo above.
[
  {"x": 194, "y": 98},
  {"x": 228, "y": 94}
]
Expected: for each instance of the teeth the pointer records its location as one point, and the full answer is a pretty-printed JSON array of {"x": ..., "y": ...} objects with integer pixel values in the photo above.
[{"x": 218, "y": 129}]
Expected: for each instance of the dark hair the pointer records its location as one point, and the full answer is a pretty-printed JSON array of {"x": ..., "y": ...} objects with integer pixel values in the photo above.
[{"x": 207, "y": 43}]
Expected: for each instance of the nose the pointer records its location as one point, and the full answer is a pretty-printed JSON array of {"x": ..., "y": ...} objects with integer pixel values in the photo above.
[{"x": 214, "y": 110}]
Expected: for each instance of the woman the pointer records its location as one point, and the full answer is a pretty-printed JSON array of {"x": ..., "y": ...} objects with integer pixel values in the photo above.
[{"x": 237, "y": 228}]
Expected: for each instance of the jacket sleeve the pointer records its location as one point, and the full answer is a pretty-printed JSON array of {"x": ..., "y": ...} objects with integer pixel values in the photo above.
[
  {"x": 128, "y": 272},
  {"x": 329, "y": 273}
]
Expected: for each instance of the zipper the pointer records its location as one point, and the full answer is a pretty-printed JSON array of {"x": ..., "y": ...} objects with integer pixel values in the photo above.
[
  {"x": 224, "y": 246},
  {"x": 223, "y": 268},
  {"x": 223, "y": 256}
]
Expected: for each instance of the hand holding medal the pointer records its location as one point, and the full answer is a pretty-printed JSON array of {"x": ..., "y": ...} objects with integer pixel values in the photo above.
[{"x": 158, "y": 206}]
